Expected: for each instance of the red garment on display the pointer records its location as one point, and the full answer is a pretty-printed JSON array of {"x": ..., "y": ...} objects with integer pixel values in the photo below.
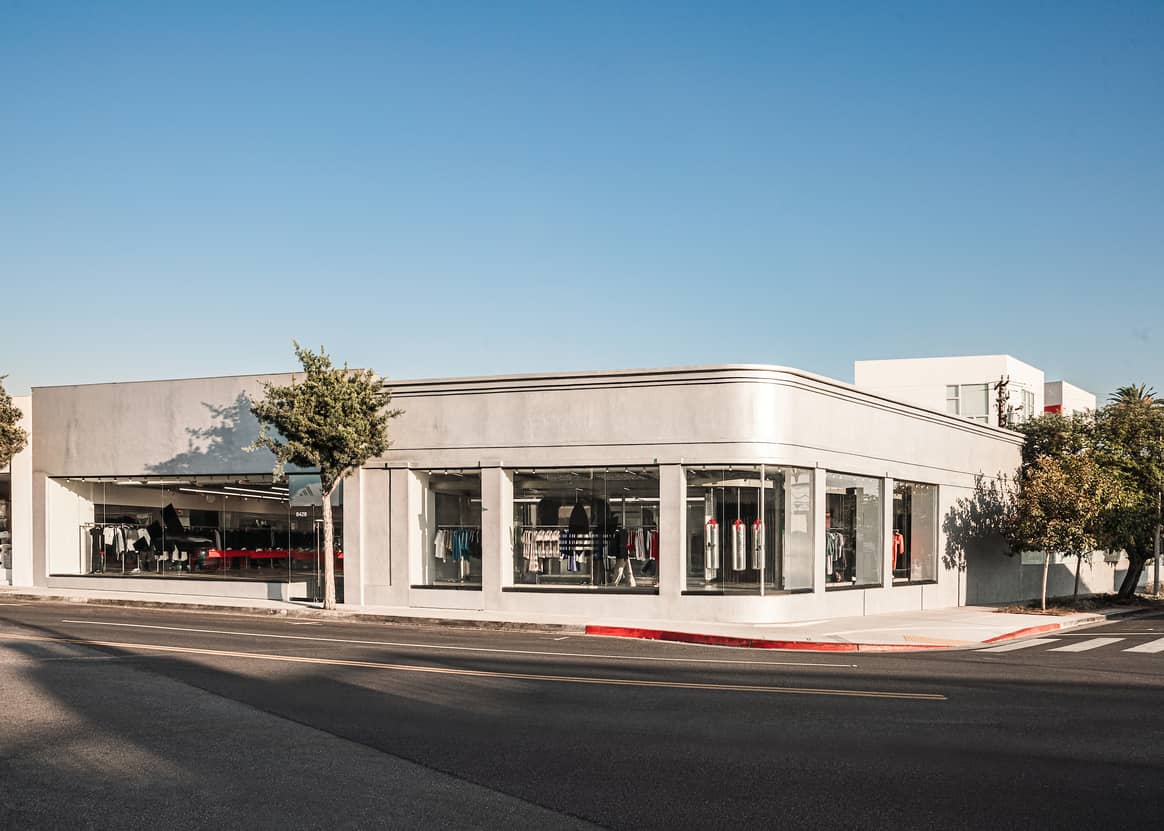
[{"x": 898, "y": 549}]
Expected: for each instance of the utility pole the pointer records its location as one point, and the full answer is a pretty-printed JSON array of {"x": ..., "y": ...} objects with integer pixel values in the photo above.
[{"x": 1003, "y": 400}]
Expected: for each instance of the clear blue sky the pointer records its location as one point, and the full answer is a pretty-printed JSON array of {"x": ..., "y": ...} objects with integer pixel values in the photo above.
[{"x": 464, "y": 188}]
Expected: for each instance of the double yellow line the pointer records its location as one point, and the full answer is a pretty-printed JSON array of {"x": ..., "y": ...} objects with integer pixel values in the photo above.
[{"x": 476, "y": 673}]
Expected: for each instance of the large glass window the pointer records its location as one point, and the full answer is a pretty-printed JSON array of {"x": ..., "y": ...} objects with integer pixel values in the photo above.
[
  {"x": 854, "y": 550},
  {"x": 749, "y": 526},
  {"x": 243, "y": 528},
  {"x": 976, "y": 402},
  {"x": 952, "y": 400},
  {"x": 5, "y": 521},
  {"x": 915, "y": 532},
  {"x": 453, "y": 542},
  {"x": 587, "y": 527}
]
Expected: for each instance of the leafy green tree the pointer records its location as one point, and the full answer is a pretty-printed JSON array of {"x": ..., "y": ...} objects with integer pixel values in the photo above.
[
  {"x": 1129, "y": 441},
  {"x": 1060, "y": 504},
  {"x": 13, "y": 437},
  {"x": 333, "y": 420}
]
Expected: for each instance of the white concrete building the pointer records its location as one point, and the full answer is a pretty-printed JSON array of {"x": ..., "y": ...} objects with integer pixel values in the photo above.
[
  {"x": 1064, "y": 398},
  {"x": 967, "y": 386},
  {"x": 734, "y": 493}
]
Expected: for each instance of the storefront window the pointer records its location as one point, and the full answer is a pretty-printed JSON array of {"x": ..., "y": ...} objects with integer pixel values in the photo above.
[
  {"x": 749, "y": 527},
  {"x": 207, "y": 526},
  {"x": 453, "y": 542},
  {"x": 587, "y": 527},
  {"x": 915, "y": 532},
  {"x": 853, "y": 531},
  {"x": 5, "y": 521}
]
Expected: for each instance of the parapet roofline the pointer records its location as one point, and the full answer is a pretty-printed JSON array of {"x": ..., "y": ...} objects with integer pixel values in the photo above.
[
  {"x": 416, "y": 386},
  {"x": 419, "y": 386}
]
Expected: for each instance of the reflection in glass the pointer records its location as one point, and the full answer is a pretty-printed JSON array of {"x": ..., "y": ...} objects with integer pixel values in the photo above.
[
  {"x": 915, "y": 532},
  {"x": 453, "y": 539},
  {"x": 593, "y": 527},
  {"x": 742, "y": 534},
  {"x": 853, "y": 530}
]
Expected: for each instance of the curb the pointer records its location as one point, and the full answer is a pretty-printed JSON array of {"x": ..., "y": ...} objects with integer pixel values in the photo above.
[
  {"x": 1094, "y": 617},
  {"x": 756, "y": 643},
  {"x": 309, "y": 614}
]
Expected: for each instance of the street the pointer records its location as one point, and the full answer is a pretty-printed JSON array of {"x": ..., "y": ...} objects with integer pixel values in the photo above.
[{"x": 144, "y": 718}]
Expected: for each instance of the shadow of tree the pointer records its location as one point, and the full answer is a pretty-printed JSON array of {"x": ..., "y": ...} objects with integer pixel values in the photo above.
[
  {"x": 221, "y": 446},
  {"x": 977, "y": 524}
]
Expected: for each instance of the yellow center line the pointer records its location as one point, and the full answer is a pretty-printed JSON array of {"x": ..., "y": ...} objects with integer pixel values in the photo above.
[{"x": 475, "y": 673}]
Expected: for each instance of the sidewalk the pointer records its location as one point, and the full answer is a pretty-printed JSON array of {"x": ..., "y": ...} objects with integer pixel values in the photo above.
[{"x": 897, "y": 632}]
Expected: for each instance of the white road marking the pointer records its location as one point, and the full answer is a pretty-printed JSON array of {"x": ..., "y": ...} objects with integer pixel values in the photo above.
[
  {"x": 1083, "y": 646},
  {"x": 460, "y": 648},
  {"x": 479, "y": 673},
  {"x": 1149, "y": 647},
  {"x": 1011, "y": 647}
]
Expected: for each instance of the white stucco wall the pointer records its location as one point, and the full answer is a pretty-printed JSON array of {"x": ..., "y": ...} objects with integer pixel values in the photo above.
[
  {"x": 923, "y": 381},
  {"x": 1070, "y": 398},
  {"x": 718, "y": 415},
  {"x": 741, "y": 414},
  {"x": 186, "y": 427}
]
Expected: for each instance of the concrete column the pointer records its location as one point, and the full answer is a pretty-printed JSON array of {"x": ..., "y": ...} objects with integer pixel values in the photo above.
[
  {"x": 20, "y": 520},
  {"x": 353, "y": 541},
  {"x": 887, "y": 524},
  {"x": 407, "y": 517},
  {"x": 818, "y": 532},
  {"x": 672, "y": 530},
  {"x": 496, "y": 534}
]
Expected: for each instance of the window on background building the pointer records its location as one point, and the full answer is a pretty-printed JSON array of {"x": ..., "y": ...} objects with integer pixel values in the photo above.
[
  {"x": 594, "y": 528},
  {"x": 915, "y": 532},
  {"x": 1028, "y": 404},
  {"x": 975, "y": 402},
  {"x": 453, "y": 535},
  {"x": 853, "y": 531},
  {"x": 748, "y": 526},
  {"x": 952, "y": 401}
]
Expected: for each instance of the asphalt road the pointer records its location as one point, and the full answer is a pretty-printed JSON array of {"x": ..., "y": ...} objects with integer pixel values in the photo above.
[{"x": 125, "y": 718}]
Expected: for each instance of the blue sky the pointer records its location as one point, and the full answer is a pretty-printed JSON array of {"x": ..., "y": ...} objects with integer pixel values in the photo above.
[{"x": 465, "y": 188}]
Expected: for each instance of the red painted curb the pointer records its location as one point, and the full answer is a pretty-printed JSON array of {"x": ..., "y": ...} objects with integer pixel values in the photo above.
[
  {"x": 1038, "y": 630},
  {"x": 752, "y": 643}
]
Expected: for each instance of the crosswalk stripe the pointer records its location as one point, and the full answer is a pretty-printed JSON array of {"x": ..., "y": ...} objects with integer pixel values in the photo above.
[
  {"x": 1151, "y": 646},
  {"x": 1083, "y": 646},
  {"x": 1010, "y": 647}
]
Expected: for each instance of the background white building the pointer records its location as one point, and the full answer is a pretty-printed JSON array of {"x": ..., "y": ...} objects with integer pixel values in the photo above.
[{"x": 966, "y": 386}]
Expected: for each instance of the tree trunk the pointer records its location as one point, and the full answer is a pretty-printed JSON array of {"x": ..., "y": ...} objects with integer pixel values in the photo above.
[
  {"x": 1078, "y": 568},
  {"x": 1132, "y": 578},
  {"x": 1046, "y": 568},
  {"x": 328, "y": 552}
]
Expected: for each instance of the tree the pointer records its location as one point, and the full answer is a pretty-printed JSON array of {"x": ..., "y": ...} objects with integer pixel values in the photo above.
[
  {"x": 1061, "y": 500},
  {"x": 333, "y": 420},
  {"x": 13, "y": 437},
  {"x": 1129, "y": 441},
  {"x": 1140, "y": 394}
]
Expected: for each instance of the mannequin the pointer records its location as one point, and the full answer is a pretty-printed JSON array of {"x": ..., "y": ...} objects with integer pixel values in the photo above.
[{"x": 622, "y": 555}]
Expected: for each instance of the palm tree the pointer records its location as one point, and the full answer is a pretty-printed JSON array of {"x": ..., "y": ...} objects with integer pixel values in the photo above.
[{"x": 1137, "y": 394}]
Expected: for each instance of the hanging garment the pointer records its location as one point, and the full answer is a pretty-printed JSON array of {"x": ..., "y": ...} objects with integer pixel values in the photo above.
[
  {"x": 711, "y": 544},
  {"x": 757, "y": 544},
  {"x": 898, "y": 550},
  {"x": 739, "y": 545},
  {"x": 439, "y": 545},
  {"x": 653, "y": 544},
  {"x": 640, "y": 545}
]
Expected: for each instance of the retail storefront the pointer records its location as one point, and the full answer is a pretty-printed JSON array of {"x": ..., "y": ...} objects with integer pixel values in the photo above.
[{"x": 748, "y": 493}]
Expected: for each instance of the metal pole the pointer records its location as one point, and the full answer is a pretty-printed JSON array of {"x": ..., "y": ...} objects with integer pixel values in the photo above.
[
  {"x": 1159, "y": 505},
  {"x": 763, "y": 529}
]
